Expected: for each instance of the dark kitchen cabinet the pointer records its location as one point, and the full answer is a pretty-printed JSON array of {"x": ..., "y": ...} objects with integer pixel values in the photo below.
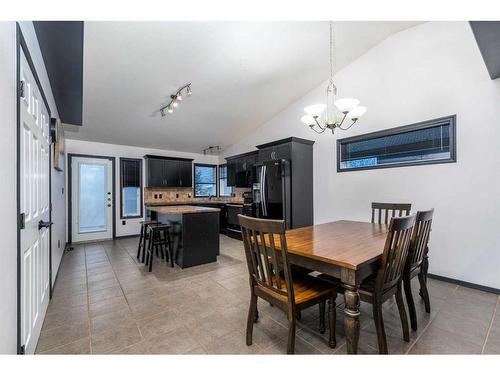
[
  {"x": 241, "y": 169},
  {"x": 168, "y": 172},
  {"x": 276, "y": 152},
  {"x": 155, "y": 173},
  {"x": 186, "y": 173}
]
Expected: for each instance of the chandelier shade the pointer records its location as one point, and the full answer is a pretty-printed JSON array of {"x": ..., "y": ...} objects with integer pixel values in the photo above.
[
  {"x": 315, "y": 109},
  {"x": 346, "y": 104}
]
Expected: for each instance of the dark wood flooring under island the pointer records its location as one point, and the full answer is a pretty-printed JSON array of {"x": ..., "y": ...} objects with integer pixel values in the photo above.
[{"x": 194, "y": 232}]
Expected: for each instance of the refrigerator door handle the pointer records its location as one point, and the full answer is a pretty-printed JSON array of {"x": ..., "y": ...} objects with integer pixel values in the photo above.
[{"x": 263, "y": 191}]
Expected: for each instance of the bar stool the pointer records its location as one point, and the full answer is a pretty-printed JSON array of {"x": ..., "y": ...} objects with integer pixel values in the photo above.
[
  {"x": 144, "y": 237},
  {"x": 159, "y": 237}
]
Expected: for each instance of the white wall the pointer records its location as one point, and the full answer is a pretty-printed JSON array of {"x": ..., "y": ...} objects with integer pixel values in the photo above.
[
  {"x": 104, "y": 149},
  {"x": 425, "y": 72},
  {"x": 8, "y": 153},
  {"x": 58, "y": 190}
]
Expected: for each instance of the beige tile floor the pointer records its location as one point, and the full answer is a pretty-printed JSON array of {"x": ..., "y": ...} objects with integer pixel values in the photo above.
[{"x": 105, "y": 302}]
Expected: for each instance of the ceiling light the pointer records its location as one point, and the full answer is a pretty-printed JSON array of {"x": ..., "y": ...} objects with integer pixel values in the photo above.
[
  {"x": 349, "y": 107},
  {"x": 175, "y": 99}
]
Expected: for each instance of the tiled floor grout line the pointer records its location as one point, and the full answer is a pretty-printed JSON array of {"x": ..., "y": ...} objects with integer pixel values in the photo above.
[
  {"x": 491, "y": 325},
  {"x": 430, "y": 321},
  {"x": 121, "y": 288},
  {"x": 88, "y": 298}
]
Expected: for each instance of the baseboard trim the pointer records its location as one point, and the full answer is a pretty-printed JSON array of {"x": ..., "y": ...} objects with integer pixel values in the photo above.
[
  {"x": 464, "y": 283},
  {"x": 127, "y": 236}
]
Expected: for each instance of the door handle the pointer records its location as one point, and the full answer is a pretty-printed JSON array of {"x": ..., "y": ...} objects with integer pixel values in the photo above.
[{"x": 44, "y": 224}]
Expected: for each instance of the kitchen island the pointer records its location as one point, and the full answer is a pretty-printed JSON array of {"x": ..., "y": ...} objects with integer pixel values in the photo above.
[{"x": 194, "y": 233}]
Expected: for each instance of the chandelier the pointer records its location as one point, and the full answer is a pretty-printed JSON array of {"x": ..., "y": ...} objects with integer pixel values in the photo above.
[
  {"x": 349, "y": 107},
  {"x": 175, "y": 99}
]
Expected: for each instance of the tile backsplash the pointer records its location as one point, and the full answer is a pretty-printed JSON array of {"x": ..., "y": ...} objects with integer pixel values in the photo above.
[{"x": 177, "y": 194}]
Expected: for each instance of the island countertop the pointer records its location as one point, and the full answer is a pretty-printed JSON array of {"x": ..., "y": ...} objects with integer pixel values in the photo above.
[{"x": 181, "y": 209}]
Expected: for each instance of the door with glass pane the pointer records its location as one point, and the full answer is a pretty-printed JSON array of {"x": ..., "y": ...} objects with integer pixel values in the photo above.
[{"x": 92, "y": 199}]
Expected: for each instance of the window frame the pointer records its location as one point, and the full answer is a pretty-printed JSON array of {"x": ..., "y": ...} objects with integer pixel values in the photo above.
[
  {"x": 141, "y": 193},
  {"x": 447, "y": 120},
  {"x": 218, "y": 180},
  {"x": 214, "y": 166}
]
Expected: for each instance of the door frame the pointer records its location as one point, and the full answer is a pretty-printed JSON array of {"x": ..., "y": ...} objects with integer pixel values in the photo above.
[
  {"x": 70, "y": 194},
  {"x": 22, "y": 46}
]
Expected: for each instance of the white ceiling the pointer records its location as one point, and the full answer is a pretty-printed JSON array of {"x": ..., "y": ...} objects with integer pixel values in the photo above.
[{"x": 242, "y": 74}]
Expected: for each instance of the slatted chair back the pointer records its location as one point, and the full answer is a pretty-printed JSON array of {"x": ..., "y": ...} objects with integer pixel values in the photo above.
[
  {"x": 395, "y": 253},
  {"x": 263, "y": 260},
  {"x": 386, "y": 211},
  {"x": 420, "y": 238}
]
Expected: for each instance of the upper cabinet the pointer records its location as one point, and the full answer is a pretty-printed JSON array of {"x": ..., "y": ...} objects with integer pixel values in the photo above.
[
  {"x": 241, "y": 169},
  {"x": 168, "y": 172}
]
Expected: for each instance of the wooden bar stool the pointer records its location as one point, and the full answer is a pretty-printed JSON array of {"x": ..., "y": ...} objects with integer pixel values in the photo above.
[
  {"x": 159, "y": 238},
  {"x": 144, "y": 237}
]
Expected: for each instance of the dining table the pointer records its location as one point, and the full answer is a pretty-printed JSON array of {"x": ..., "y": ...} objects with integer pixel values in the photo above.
[{"x": 346, "y": 250}]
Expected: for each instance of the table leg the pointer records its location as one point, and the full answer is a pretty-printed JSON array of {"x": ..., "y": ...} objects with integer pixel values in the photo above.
[{"x": 351, "y": 318}]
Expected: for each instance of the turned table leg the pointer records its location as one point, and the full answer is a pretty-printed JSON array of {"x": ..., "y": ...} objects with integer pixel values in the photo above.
[{"x": 351, "y": 318}]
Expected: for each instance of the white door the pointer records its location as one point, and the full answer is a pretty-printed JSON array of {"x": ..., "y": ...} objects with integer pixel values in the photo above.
[
  {"x": 91, "y": 196},
  {"x": 34, "y": 201}
]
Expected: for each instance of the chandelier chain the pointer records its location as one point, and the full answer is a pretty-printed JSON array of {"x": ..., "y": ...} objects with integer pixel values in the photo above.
[{"x": 332, "y": 51}]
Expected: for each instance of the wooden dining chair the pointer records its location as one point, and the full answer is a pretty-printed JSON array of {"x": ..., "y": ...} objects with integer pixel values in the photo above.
[
  {"x": 388, "y": 280},
  {"x": 389, "y": 210},
  {"x": 417, "y": 263},
  {"x": 271, "y": 279}
]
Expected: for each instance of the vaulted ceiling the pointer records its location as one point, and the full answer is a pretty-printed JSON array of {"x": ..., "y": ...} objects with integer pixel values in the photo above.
[{"x": 242, "y": 74}]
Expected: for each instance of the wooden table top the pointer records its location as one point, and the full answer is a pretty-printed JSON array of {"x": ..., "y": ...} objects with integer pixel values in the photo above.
[{"x": 348, "y": 244}]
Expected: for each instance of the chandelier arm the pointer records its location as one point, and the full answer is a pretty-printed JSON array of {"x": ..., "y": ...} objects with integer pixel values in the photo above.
[
  {"x": 343, "y": 119},
  {"x": 316, "y": 131},
  {"x": 353, "y": 122},
  {"x": 317, "y": 123}
]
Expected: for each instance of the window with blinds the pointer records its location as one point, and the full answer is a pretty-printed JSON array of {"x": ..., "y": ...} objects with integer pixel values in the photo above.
[
  {"x": 428, "y": 142},
  {"x": 130, "y": 188}
]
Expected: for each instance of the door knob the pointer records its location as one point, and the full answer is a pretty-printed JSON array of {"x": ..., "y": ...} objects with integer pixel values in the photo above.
[{"x": 44, "y": 224}]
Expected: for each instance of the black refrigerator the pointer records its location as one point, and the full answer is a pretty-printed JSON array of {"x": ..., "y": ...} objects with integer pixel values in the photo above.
[{"x": 272, "y": 191}]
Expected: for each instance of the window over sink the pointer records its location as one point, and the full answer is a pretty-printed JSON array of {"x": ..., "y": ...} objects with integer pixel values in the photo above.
[{"x": 205, "y": 180}]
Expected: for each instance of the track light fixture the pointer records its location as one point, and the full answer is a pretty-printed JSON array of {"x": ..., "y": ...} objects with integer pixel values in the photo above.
[{"x": 175, "y": 99}]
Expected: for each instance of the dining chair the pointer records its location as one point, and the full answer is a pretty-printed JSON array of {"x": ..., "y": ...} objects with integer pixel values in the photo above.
[
  {"x": 387, "y": 282},
  {"x": 389, "y": 210},
  {"x": 270, "y": 277},
  {"x": 417, "y": 263}
]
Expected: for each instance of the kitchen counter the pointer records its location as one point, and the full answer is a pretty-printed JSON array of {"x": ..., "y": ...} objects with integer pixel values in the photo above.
[
  {"x": 181, "y": 209},
  {"x": 190, "y": 202}
]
